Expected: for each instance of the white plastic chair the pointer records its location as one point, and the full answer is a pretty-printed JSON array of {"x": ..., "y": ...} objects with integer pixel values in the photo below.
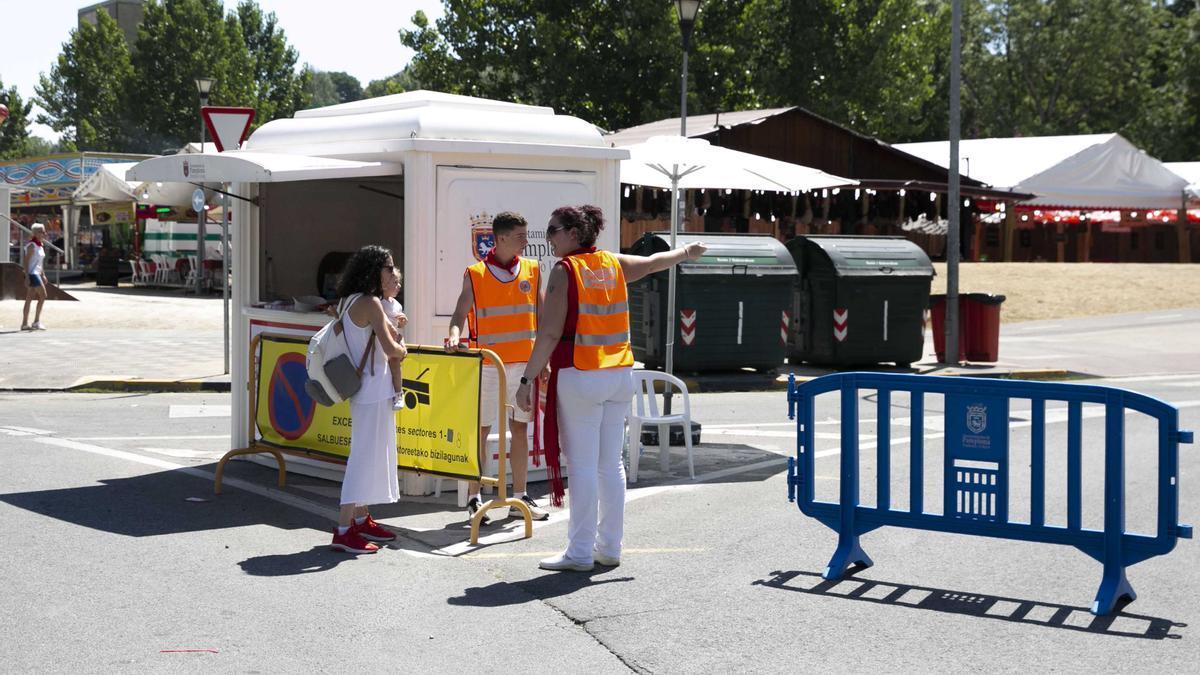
[
  {"x": 646, "y": 411},
  {"x": 190, "y": 281},
  {"x": 145, "y": 274},
  {"x": 164, "y": 274}
]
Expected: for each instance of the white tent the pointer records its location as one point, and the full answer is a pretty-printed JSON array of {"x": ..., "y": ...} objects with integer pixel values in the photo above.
[
  {"x": 108, "y": 184},
  {"x": 698, "y": 164},
  {"x": 1085, "y": 172},
  {"x": 1189, "y": 171}
]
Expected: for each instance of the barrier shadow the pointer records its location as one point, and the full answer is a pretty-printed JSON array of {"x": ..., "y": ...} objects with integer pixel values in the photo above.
[
  {"x": 979, "y": 605},
  {"x": 160, "y": 503},
  {"x": 545, "y": 587}
]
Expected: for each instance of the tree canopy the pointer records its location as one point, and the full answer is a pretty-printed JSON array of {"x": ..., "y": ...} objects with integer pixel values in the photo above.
[
  {"x": 14, "y": 133},
  {"x": 105, "y": 96},
  {"x": 878, "y": 66},
  {"x": 881, "y": 67},
  {"x": 85, "y": 96}
]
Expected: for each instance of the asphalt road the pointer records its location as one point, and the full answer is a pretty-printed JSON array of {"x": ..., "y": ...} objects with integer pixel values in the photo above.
[{"x": 120, "y": 559}]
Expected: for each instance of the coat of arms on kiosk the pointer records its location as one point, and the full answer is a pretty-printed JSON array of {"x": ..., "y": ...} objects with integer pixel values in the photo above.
[{"x": 482, "y": 239}]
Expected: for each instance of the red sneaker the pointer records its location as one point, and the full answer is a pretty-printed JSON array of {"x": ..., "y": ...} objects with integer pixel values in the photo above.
[
  {"x": 373, "y": 531},
  {"x": 351, "y": 542}
]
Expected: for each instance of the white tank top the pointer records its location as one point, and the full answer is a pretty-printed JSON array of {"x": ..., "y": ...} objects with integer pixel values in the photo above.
[
  {"x": 376, "y": 386},
  {"x": 34, "y": 258}
]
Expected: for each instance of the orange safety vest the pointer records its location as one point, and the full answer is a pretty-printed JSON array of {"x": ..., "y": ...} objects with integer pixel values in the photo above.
[
  {"x": 504, "y": 318},
  {"x": 602, "y": 326}
]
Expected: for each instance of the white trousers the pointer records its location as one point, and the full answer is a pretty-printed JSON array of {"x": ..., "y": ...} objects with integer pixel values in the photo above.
[{"x": 592, "y": 406}]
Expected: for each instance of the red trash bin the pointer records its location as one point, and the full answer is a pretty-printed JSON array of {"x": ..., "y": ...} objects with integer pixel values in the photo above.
[
  {"x": 982, "y": 312},
  {"x": 978, "y": 326}
]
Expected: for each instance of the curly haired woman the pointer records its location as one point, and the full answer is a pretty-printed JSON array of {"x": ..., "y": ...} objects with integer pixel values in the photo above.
[{"x": 370, "y": 276}]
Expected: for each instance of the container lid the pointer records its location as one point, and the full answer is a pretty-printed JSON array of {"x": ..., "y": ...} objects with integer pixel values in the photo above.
[
  {"x": 731, "y": 254},
  {"x": 859, "y": 256}
]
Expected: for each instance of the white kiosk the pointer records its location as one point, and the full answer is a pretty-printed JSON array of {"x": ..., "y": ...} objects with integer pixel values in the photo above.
[{"x": 421, "y": 173}]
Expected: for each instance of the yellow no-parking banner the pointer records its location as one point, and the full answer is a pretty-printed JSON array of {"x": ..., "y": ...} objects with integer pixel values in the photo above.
[{"x": 438, "y": 433}]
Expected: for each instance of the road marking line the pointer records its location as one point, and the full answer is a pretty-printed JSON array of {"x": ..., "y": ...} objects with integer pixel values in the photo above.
[
  {"x": 1162, "y": 377},
  {"x": 184, "y": 454},
  {"x": 750, "y": 426},
  {"x": 274, "y": 495},
  {"x": 773, "y": 434},
  {"x": 23, "y": 431},
  {"x": 544, "y": 554},
  {"x": 734, "y": 470},
  {"x": 181, "y": 411}
]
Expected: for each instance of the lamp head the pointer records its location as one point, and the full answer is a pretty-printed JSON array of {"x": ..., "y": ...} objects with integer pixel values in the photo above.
[
  {"x": 204, "y": 85},
  {"x": 688, "y": 9}
]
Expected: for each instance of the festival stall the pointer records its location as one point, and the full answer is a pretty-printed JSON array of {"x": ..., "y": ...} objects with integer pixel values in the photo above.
[
  {"x": 1089, "y": 174},
  {"x": 421, "y": 173}
]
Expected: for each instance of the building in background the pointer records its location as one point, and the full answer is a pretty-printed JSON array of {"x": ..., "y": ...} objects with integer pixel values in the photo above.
[{"x": 127, "y": 14}]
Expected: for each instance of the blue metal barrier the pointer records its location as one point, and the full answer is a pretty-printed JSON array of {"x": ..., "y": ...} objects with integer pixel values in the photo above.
[{"x": 976, "y": 477}]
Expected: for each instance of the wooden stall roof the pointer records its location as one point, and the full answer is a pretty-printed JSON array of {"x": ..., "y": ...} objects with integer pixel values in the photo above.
[{"x": 802, "y": 137}]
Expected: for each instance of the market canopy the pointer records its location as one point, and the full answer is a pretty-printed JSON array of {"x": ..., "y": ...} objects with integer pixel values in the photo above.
[
  {"x": 695, "y": 163},
  {"x": 1094, "y": 171},
  {"x": 238, "y": 166},
  {"x": 1189, "y": 171},
  {"x": 108, "y": 184}
]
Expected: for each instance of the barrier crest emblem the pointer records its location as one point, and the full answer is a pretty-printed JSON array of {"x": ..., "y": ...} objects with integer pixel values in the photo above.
[{"x": 976, "y": 418}]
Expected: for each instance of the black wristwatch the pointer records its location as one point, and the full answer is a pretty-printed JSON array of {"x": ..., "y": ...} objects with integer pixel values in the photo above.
[{"x": 524, "y": 380}]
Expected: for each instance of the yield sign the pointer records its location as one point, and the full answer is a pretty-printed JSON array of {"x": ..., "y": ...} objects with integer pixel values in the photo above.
[
  {"x": 841, "y": 323},
  {"x": 227, "y": 126},
  {"x": 687, "y": 326}
]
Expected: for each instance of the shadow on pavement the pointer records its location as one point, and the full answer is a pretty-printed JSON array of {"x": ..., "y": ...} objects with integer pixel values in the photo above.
[
  {"x": 1048, "y": 615},
  {"x": 316, "y": 559},
  {"x": 550, "y": 585},
  {"x": 158, "y": 504},
  {"x": 715, "y": 462}
]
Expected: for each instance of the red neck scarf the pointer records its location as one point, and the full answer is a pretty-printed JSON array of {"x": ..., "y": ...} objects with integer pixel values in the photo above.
[
  {"x": 512, "y": 266},
  {"x": 36, "y": 241},
  {"x": 562, "y": 357}
]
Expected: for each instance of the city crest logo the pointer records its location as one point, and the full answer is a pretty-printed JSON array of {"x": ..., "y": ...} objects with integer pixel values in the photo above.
[
  {"x": 482, "y": 239},
  {"x": 976, "y": 418}
]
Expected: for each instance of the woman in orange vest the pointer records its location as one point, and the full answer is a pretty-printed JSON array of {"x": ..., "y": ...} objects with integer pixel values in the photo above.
[{"x": 583, "y": 333}]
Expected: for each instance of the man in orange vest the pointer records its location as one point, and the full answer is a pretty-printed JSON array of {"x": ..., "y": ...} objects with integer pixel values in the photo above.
[{"x": 500, "y": 299}]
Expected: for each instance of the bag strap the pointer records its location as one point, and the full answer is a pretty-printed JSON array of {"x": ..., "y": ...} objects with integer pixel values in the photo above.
[
  {"x": 362, "y": 364},
  {"x": 366, "y": 353}
]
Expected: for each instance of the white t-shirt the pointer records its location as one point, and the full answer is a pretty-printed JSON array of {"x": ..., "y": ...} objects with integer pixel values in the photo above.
[{"x": 393, "y": 309}]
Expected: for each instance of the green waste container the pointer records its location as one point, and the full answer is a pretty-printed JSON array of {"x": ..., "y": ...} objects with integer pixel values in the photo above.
[
  {"x": 731, "y": 304},
  {"x": 858, "y": 300}
]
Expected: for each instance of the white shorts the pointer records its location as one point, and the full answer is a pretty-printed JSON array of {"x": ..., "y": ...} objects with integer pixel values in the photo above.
[{"x": 489, "y": 390}]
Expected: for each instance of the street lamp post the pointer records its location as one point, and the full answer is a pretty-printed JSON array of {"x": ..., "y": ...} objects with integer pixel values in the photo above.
[
  {"x": 203, "y": 87},
  {"x": 688, "y": 9},
  {"x": 953, "y": 189}
]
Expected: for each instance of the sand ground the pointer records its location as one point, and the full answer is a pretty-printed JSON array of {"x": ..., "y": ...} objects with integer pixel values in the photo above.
[
  {"x": 1033, "y": 290},
  {"x": 1037, "y": 291}
]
